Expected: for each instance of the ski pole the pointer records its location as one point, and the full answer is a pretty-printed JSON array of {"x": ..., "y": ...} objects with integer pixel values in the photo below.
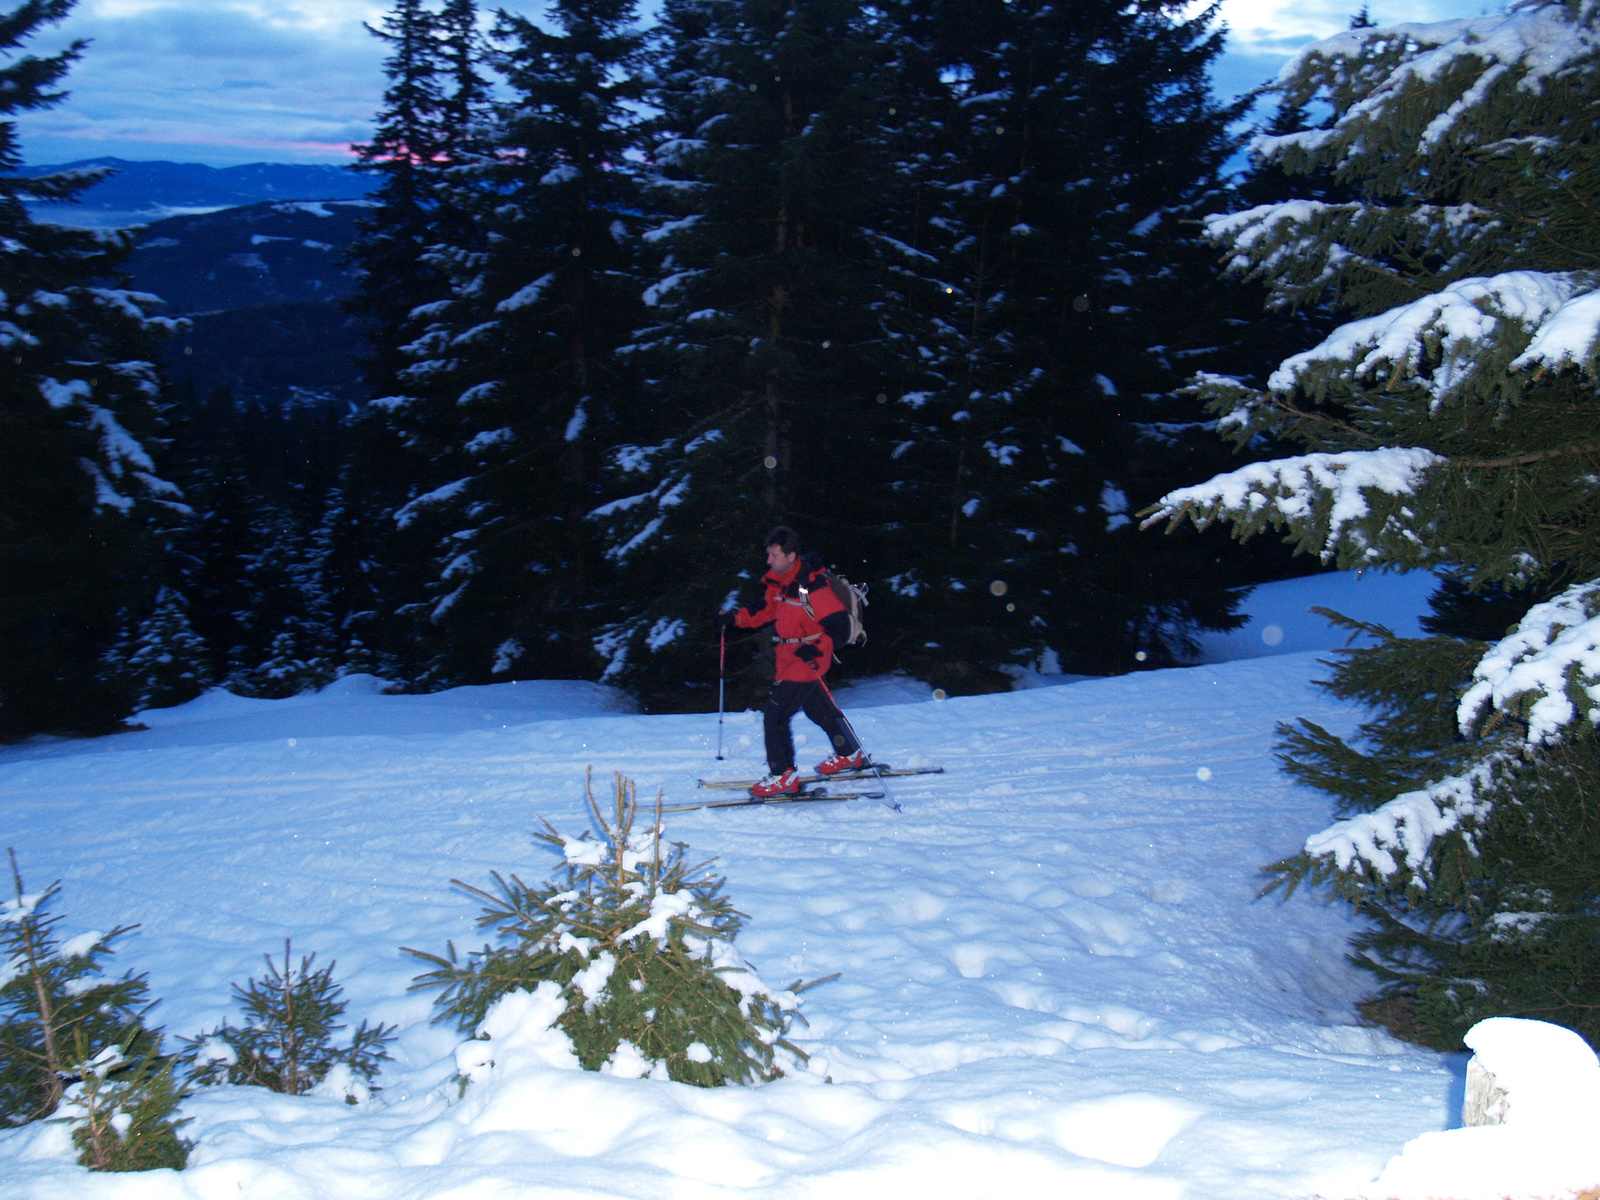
[
  {"x": 722, "y": 684},
  {"x": 877, "y": 769}
]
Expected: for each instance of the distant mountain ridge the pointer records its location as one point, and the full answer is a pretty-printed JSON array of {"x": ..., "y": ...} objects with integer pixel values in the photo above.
[{"x": 141, "y": 192}]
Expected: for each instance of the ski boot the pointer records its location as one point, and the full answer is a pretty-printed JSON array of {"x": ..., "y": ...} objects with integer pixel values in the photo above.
[
  {"x": 785, "y": 783},
  {"x": 843, "y": 762}
]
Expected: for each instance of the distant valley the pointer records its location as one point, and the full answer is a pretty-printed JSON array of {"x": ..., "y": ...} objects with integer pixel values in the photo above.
[
  {"x": 262, "y": 286},
  {"x": 254, "y": 256}
]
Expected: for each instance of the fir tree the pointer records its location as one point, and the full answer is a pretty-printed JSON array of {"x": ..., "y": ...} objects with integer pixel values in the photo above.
[
  {"x": 165, "y": 661},
  {"x": 57, "y": 1011},
  {"x": 1078, "y": 142},
  {"x": 434, "y": 98},
  {"x": 81, "y": 503},
  {"x": 1451, "y": 426},
  {"x": 431, "y": 136},
  {"x": 525, "y": 351},
  {"x": 124, "y": 1113},
  {"x": 286, "y": 1042},
  {"x": 639, "y": 941},
  {"x": 780, "y": 323}
]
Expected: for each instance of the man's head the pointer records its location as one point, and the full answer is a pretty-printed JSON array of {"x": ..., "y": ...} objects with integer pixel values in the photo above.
[{"x": 783, "y": 548}]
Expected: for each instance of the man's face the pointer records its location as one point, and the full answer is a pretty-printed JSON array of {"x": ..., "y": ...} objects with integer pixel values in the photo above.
[{"x": 779, "y": 561}]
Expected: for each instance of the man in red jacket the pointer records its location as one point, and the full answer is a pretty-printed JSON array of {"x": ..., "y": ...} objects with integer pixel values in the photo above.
[{"x": 808, "y": 622}]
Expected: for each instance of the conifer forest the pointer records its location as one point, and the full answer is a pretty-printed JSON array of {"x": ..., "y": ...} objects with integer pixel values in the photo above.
[{"x": 924, "y": 281}]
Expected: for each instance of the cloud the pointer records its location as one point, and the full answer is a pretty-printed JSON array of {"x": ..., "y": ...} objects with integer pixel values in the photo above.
[
  {"x": 221, "y": 83},
  {"x": 232, "y": 81},
  {"x": 1280, "y": 27}
]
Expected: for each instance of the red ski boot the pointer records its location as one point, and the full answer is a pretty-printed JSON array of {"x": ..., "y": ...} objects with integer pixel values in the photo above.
[
  {"x": 784, "y": 784},
  {"x": 843, "y": 762}
]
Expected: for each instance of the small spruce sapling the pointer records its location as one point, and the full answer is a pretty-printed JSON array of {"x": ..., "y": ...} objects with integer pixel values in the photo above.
[
  {"x": 122, "y": 1112},
  {"x": 76, "y": 1045},
  {"x": 640, "y": 943},
  {"x": 285, "y": 1044},
  {"x": 56, "y": 1009}
]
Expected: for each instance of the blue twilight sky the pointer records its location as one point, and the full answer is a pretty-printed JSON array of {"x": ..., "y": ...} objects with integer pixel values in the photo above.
[{"x": 234, "y": 81}]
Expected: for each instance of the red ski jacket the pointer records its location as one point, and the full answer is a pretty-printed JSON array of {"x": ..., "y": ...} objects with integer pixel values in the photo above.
[{"x": 793, "y": 626}]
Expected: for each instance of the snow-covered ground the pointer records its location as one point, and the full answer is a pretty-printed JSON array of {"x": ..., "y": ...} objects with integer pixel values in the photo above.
[{"x": 1055, "y": 975}]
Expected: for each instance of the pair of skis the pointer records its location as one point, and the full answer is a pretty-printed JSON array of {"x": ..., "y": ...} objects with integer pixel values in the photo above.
[{"x": 808, "y": 794}]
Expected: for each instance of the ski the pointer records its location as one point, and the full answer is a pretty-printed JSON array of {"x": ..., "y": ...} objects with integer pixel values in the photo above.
[
  {"x": 807, "y": 796},
  {"x": 872, "y": 772}
]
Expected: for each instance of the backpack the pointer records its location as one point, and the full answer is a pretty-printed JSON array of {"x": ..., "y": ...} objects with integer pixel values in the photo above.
[{"x": 854, "y": 600}]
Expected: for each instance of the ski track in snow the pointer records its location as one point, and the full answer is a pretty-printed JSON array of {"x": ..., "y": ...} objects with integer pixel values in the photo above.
[{"x": 1055, "y": 972}]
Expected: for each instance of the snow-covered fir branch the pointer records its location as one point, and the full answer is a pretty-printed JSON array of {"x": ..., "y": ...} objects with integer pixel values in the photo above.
[
  {"x": 1402, "y": 834},
  {"x": 1546, "y": 672},
  {"x": 1333, "y": 497}
]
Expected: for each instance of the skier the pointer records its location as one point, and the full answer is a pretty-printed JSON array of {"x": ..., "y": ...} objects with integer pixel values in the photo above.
[{"x": 808, "y": 622}]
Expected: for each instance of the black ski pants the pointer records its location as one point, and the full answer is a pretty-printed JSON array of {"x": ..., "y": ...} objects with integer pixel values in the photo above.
[{"x": 789, "y": 697}]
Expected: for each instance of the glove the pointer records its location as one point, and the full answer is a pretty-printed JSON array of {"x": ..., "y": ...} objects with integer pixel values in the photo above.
[
  {"x": 728, "y": 620},
  {"x": 807, "y": 653}
]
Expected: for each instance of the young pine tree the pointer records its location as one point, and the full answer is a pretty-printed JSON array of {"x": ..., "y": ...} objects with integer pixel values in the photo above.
[
  {"x": 55, "y": 1011},
  {"x": 75, "y": 1044},
  {"x": 124, "y": 1113},
  {"x": 286, "y": 1042},
  {"x": 1452, "y": 426},
  {"x": 639, "y": 941}
]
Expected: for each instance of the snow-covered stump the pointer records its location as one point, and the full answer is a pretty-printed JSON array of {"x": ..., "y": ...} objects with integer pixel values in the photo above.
[
  {"x": 1531, "y": 1072},
  {"x": 1529, "y": 1117},
  {"x": 1485, "y": 1100}
]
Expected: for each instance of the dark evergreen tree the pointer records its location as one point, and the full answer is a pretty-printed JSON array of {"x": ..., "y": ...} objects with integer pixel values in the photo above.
[
  {"x": 908, "y": 304},
  {"x": 81, "y": 503},
  {"x": 1452, "y": 425},
  {"x": 430, "y": 140},
  {"x": 783, "y": 324},
  {"x": 409, "y": 151},
  {"x": 164, "y": 660},
  {"x": 1080, "y": 140},
  {"x": 525, "y": 351}
]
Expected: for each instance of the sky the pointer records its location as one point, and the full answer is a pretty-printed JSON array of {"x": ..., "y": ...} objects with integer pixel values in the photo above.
[{"x": 223, "y": 82}]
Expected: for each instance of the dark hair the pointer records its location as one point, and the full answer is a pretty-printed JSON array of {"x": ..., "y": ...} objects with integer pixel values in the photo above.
[{"x": 784, "y": 539}]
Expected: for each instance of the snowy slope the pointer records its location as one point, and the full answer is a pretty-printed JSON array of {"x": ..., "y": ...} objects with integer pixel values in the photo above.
[{"x": 1055, "y": 974}]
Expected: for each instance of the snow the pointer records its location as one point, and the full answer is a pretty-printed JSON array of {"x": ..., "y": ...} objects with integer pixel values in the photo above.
[
  {"x": 1536, "y": 41},
  {"x": 1055, "y": 975},
  {"x": 1298, "y": 488},
  {"x": 1549, "y": 660},
  {"x": 526, "y": 295},
  {"x": 62, "y": 395},
  {"x": 1279, "y": 619},
  {"x": 1546, "y": 1144},
  {"x": 407, "y": 513},
  {"x": 1459, "y": 319},
  {"x": 1408, "y": 825}
]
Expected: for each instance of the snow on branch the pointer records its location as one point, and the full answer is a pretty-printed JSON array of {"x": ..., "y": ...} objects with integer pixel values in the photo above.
[
  {"x": 1532, "y": 43},
  {"x": 1570, "y": 335},
  {"x": 1457, "y": 324},
  {"x": 407, "y": 513},
  {"x": 1402, "y": 833},
  {"x": 1327, "y": 497},
  {"x": 1546, "y": 671}
]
